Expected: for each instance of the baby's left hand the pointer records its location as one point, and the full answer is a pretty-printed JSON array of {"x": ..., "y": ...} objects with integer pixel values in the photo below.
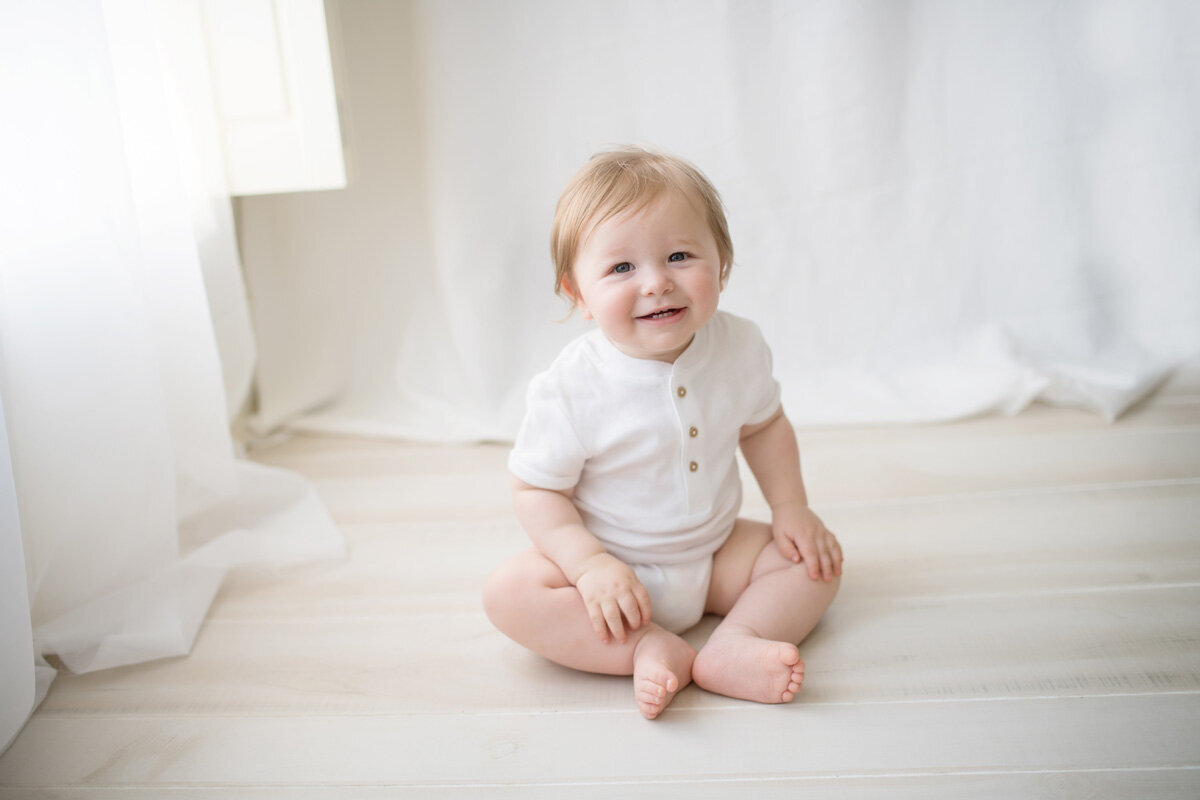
[{"x": 802, "y": 536}]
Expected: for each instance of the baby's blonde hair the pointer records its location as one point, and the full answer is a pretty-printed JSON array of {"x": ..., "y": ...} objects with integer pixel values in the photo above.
[{"x": 628, "y": 178}]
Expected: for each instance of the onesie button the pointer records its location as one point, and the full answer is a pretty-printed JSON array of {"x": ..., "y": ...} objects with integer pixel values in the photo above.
[
  {"x": 693, "y": 466},
  {"x": 682, "y": 392},
  {"x": 694, "y": 432}
]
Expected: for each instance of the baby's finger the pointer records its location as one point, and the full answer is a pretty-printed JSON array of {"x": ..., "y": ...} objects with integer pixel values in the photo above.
[
  {"x": 826, "y": 564},
  {"x": 788, "y": 549},
  {"x": 631, "y": 609},
  {"x": 823, "y": 544},
  {"x": 612, "y": 615},
  {"x": 598, "y": 623},
  {"x": 643, "y": 599},
  {"x": 811, "y": 558}
]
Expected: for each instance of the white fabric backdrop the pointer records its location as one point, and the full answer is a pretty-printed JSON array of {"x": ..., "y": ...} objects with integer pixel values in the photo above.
[
  {"x": 938, "y": 208},
  {"x": 131, "y": 503},
  {"x": 18, "y": 692}
]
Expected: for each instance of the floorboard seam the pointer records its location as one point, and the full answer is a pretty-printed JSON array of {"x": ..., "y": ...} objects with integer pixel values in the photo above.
[{"x": 130, "y": 717}]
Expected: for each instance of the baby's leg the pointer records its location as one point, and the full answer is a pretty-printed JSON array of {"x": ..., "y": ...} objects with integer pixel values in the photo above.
[
  {"x": 770, "y": 605},
  {"x": 530, "y": 600}
]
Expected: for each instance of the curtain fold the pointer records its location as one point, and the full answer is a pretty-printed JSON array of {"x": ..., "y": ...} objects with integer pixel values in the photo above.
[
  {"x": 18, "y": 689},
  {"x": 939, "y": 208},
  {"x": 131, "y": 503}
]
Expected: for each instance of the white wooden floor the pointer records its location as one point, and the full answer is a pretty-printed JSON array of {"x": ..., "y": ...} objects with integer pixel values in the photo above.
[{"x": 1020, "y": 617}]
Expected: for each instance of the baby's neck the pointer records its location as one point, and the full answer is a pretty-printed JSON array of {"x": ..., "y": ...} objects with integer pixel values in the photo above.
[{"x": 666, "y": 358}]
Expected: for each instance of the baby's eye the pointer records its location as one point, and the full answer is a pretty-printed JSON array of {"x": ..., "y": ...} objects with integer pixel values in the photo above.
[
  {"x": 622, "y": 268},
  {"x": 677, "y": 257}
]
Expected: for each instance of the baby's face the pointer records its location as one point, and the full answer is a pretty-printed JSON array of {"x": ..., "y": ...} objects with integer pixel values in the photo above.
[{"x": 650, "y": 277}]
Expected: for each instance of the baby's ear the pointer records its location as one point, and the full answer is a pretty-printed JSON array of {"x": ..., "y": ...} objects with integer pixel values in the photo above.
[{"x": 576, "y": 300}]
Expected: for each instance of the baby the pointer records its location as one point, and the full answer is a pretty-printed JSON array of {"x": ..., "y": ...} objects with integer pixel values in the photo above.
[{"x": 625, "y": 474}]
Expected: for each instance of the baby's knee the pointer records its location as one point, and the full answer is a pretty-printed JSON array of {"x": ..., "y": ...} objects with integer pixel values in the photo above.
[
  {"x": 498, "y": 590},
  {"x": 834, "y": 586},
  {"x": 825, "y": 589},
  {"x": 506, "y": 587}
]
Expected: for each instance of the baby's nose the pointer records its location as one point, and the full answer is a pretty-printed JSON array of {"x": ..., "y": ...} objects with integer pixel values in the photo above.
[{"x": 657, "y": 281}]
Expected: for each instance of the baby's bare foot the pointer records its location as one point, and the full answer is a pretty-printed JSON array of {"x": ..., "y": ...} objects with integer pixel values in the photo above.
[
  {"x": 662, "y": 665},
  {"x": 744, "y": 666}
]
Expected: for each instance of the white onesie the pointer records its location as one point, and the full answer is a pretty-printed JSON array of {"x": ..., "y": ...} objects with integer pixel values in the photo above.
[{"x": 650, "y": 447}]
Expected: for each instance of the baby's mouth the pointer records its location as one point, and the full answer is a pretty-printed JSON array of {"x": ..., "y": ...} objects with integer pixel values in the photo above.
[{"x": 662, "y": 313}]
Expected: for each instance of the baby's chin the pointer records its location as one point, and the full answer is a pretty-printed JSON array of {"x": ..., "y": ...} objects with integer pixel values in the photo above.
[{"x": 667, "y": 353}]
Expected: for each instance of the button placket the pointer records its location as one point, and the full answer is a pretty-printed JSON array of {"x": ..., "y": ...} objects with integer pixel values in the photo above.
[{"x": 691, "y": 446}]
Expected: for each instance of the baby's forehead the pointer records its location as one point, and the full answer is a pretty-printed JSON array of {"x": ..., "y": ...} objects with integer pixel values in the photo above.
[{"x": 647, "y": 199}]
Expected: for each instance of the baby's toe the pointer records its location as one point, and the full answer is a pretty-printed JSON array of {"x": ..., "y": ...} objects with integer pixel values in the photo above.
[
  {"x": 651, "y": 693},
  {"x": 654, "y": 692},
  {"x": 651, "y": 700},
  {"x": 649, "y": 711},
  {"x": 789, "y": 656}
]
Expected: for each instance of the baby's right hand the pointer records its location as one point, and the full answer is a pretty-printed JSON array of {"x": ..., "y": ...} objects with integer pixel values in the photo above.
[{"x": 613, "y": 596}]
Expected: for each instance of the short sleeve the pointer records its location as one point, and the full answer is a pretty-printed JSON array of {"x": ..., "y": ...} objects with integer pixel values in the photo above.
[
  {"x": 547, "y": 452},
  {"x": 766, "y": 394}
]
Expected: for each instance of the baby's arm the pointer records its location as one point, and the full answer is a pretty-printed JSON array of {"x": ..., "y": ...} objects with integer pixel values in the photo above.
[
  {"x": 774, "y": 457},
  {"x": 610, "y": 589}
]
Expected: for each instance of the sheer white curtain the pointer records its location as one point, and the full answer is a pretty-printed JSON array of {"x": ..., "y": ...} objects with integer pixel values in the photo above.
[
  {"x": 939, "y": 208},
  {"x": 131, "y": 503}
]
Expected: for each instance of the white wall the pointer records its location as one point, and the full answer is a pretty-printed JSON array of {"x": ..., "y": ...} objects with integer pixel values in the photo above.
[{"x": 939, "y": 209}]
